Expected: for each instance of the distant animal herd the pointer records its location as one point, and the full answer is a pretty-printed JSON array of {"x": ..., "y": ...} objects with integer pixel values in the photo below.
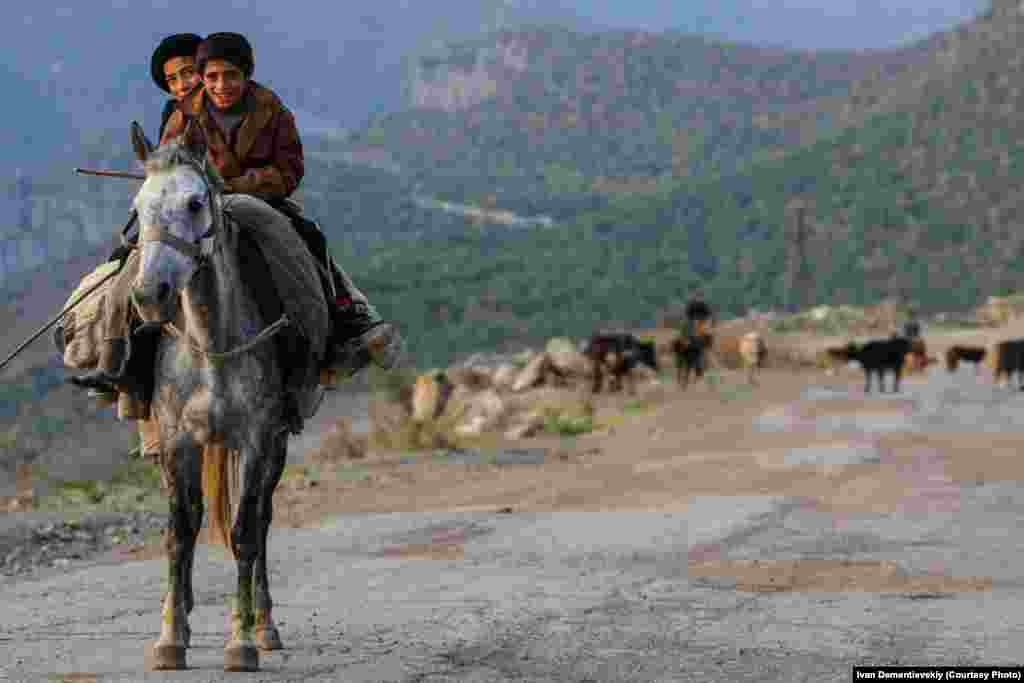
[{"x": 616, "y": 355}]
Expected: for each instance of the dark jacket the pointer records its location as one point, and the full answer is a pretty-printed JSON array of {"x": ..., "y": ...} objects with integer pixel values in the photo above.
[{"x": 170, "y": 107}]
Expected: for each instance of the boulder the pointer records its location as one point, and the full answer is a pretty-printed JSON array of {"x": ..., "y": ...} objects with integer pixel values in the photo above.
[
  {"x": 483, "y": 411},
  {"x": 532, "y": 374},
  {"x": 525, "y": 426},
  {"x": 474, "y": 378},
  {"x": 567, "y": 358},
  {"x": 504, "y": 376}
]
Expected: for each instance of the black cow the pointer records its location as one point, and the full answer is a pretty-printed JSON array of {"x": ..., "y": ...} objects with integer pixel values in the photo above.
[
  {"x": 877, "y": 357},
  {"x": 1009, "y": 361},
  {"x": 617, "y": 354}
]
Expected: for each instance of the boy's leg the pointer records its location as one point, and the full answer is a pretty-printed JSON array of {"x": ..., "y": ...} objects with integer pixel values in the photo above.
[{"x": 359, "y": 334}]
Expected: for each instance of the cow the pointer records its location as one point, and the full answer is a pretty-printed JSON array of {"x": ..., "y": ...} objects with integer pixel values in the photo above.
[
  {"x": 917, "y": 359},
  {"x": 970, "y": 354},
  {"x": 1007, "y": 359},
  {"x": 691, "y": 356},
  {"x": 877, "y": 357},
  {"x": 752, "y": 350},
  {"x": 618, "y": 354}
]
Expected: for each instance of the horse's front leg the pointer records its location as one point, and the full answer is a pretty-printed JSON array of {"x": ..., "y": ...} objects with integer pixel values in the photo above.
[
  {"x": 267, "y": 635},
  {"x": 185, "y": 472},
  {"x": 241, "y": 652}
]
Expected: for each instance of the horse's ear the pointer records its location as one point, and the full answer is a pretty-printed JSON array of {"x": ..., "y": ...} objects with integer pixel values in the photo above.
[
  {"x": 143, "y": 147},
  {"x": 195, "y": 139}
]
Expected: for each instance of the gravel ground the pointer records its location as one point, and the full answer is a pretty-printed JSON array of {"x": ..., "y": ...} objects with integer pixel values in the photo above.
[{"x": 32, "y": 545}]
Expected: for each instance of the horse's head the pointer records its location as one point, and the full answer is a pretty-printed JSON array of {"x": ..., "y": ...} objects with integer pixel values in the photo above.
[{"x": 176, "y": 211}]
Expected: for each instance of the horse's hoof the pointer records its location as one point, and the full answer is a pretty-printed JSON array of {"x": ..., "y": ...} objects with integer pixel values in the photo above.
[
  {"x": 268, "y": 639},
  {"x": 241, "y": 657},
  {"x": 166, "y": 657}
]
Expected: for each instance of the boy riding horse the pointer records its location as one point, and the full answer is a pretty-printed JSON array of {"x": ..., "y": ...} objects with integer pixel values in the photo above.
[
  {"x": 253, "y": 142},
  {"x": 173, "y": 68}
]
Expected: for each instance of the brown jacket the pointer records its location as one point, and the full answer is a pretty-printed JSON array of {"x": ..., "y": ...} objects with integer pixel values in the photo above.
[{"x": 264, "y": 155}]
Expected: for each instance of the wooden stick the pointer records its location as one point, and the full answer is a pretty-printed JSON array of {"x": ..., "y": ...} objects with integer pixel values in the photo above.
[{"x": 110, "y": 174}]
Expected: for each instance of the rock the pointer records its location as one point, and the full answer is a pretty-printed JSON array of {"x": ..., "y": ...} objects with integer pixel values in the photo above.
[
  {"x": 567, "y": 358},
  {"x": 483, "y": 412},
  {"x": 504, "y": 376},
  {"x": 341, "y": 443},
  {"x": 473, "y": 378},
  {"x": 527, "y": 425},
  {"x": 532, "y": 374}
]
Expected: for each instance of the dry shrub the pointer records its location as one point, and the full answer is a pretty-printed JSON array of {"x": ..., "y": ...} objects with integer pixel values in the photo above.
[
  {"x": 555, "y": 403},
  {"x": 794, "y": 352},
  {"x": 341, "y": 443},
  {"x": 392, "y": 428}
]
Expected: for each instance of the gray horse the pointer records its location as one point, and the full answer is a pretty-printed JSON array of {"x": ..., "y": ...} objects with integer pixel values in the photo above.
[{"x": 218, "y": 393}]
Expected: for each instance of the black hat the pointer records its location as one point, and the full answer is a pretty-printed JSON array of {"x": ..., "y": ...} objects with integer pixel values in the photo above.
[
  {"x": 697, "y": 310},
  {"x": 231, "y": 47},
  {"x": 178, "y": 45}
]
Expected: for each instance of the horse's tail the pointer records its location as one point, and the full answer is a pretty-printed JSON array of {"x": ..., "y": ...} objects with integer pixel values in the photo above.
[{"x": 220, "y": 488}]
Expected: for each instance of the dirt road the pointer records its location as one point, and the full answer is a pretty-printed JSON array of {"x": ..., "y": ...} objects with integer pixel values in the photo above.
[{"x": 785, "y": 534}]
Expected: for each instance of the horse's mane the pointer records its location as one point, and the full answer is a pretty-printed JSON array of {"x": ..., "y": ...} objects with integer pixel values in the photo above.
[{"x": 175, "y": 153}]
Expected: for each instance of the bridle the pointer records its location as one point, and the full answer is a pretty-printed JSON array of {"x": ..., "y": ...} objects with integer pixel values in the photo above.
[{"x": 199, "y": 252}]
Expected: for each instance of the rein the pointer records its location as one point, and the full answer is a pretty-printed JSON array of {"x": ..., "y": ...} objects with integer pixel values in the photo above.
[
  {"x": 220, "y": 356},
  {"x": 194, "y": 252}
]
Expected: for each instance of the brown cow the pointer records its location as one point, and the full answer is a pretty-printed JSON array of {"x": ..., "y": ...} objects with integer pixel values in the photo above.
[
  {"x": 970, "y": 354},
  {"x": 752, "y": 350},
  {"x": 691, "y": 356},
  {"x": 917, "y": 359}
]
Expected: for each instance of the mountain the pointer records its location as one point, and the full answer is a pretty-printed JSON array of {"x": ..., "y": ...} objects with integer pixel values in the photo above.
[
  {"x": 548, "y": 120},
  {"x": 798, "y": 24},
  {"x": 918, "y": 197},
  {"x": 696, "y": 211}
]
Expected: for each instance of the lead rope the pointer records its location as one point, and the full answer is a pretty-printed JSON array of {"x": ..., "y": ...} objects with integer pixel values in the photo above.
[{"x": 221, "y": 356}]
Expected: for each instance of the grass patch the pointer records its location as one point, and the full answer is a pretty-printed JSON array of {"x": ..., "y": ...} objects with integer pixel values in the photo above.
[
  {"x": 134, "y": 486},
  {"x": 634, "y": 405},
  {"x": 292, "y": 471},
  {"x": 568, "y": 425}
]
